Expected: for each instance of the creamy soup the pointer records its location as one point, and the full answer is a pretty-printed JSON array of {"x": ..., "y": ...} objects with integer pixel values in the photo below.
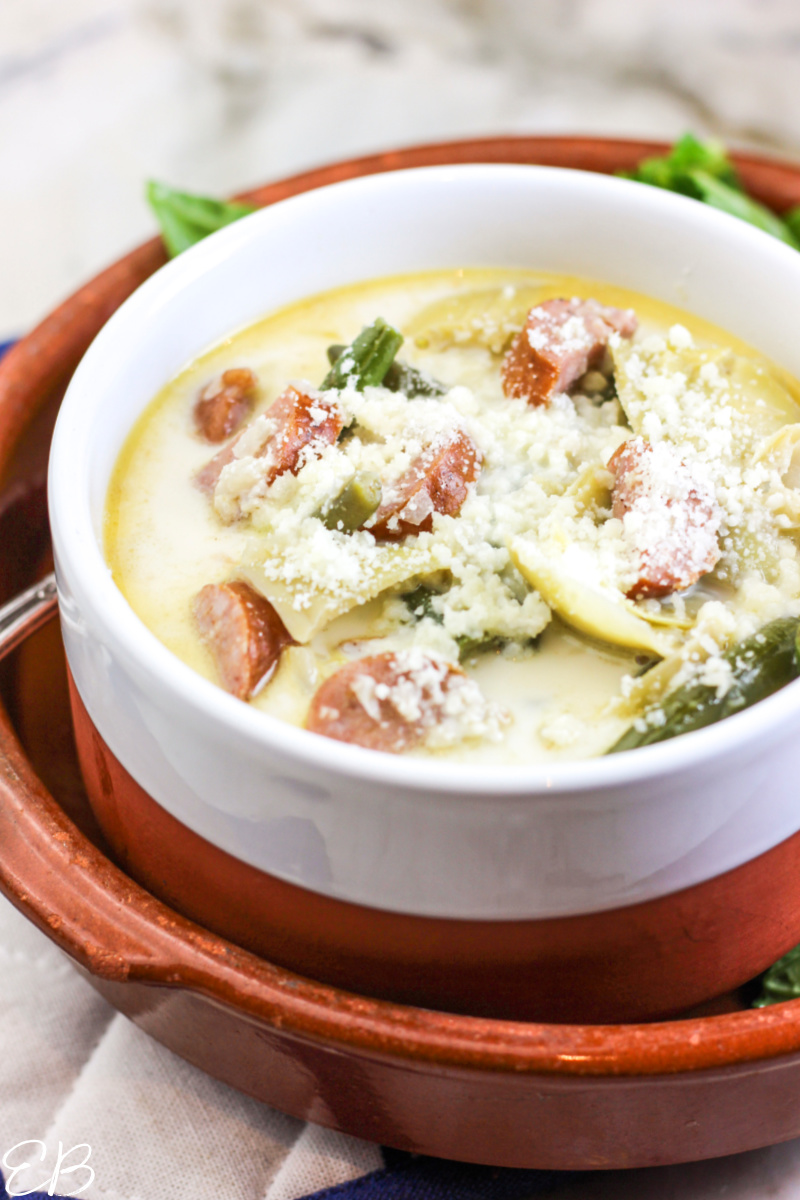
[{"x": 543, "y": 526}]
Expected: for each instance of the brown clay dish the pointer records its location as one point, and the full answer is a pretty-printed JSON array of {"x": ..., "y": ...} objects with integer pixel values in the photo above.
[{"x": 501, "y": 1092}]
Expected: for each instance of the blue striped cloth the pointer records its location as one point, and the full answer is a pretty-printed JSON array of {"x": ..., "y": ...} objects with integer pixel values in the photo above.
[{"x": 407, "y": 1177}]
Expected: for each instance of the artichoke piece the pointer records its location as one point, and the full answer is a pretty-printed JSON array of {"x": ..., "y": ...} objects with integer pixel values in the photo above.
[
  {"x": 307, "y": 604},
  {"x": 648, "y": 686},
  {"x": 757, "y": 393},
  {"x": 759, "y": 666},
  {"x": 354, "y": 505},
  {"x": 591, "y": 610},
  {"x": 489, "y": 317},
  {"x": 753, "y": 390},
  {"x": 590, "y": 489},
  {"x": 663, "y": 617},
  {"x": 781, "y": 452}
]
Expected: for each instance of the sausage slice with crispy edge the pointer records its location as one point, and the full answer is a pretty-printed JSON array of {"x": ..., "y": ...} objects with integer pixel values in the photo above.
[
  {"x": 436, "y": 482},
  {"x": 301, "y": 419},
  {"x": 561, "y": 341},
  {"x": 244, "y": 633}
]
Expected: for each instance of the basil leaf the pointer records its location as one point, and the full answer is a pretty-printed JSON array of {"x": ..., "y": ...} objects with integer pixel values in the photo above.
[
  {"x": 720, "y": 195},
  {"x": 671, "y": 170},
  {"x": 186, "y": 219},
  {"x": 703, "y": 171},
  {"x": 792, "y": 220}
]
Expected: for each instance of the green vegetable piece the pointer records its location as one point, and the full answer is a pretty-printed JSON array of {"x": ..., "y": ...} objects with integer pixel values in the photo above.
[
  {"x": 412, "y": 382},
  {"x": 186, "y": 219},
  {"x": 703, "y": 171},
  {"x": 689, "y": 153},
  {"x": 792, "y": 220},
  {"x": 781, "y": 981},
  {"x": 400, "y": 377},
  {"x": 420, "y": 604},
  {"x": 722, "y": 196},
  {"x": 469, "y": 647},
  {"x": 366, "y": 360},
  {"x": 760, "y": 665},
  {"x": 354, "y": 505}
]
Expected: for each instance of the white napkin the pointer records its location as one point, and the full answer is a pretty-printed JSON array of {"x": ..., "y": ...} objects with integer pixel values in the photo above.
[{"x": 72, "y": 1070}]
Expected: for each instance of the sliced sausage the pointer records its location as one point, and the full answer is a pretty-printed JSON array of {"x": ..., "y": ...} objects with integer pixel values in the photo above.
[
  {"x": 224, "y": 403},
  {"x": 669, "y": 517},
  {"x": 244, "y": 633},
  {"x": 561, "y": 340},
  {"x": 436, "y": 482},
  {"x": 208, "y": 476},
  {"x": 299, "y": 419},
  {"x": 386, "y": 702}
]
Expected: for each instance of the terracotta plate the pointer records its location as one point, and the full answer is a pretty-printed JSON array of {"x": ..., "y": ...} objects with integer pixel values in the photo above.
[{"x": 499, "y": 1092}]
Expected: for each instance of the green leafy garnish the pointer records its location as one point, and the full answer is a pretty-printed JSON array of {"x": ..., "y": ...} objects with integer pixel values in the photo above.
[
  {"x": 673, "y": 171},
  {"x": 703, "y": 171},
  {"x": 186, "y": 219},
  {"x": 781, "y": 981}
]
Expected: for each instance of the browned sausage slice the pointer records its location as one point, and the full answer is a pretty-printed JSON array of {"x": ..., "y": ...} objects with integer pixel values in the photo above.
[
  {"x": 561, "y": 341},
  {"x": 385, "y": 702},
  {"x": 224, "y": 403},
  {"x": 302, "y": 419},
  {"x": 244, "y": 633},
  {"x": 436, "y": 482},
  {"x": 670, "y": 516}
]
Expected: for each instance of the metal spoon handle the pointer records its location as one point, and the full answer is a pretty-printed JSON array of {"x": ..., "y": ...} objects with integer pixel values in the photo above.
[{"x": 26, "y": 613}]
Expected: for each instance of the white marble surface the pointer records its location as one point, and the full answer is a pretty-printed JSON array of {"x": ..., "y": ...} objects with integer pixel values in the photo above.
[{"x": 97, "y": 95}]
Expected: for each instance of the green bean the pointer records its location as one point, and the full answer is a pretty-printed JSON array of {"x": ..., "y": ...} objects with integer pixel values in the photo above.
[
  {"x": 354, "y": 505},
  {"x": 400, "y": 377},
  {"x": 366, "y": 360},
  {"x": 760, "y": 665}
]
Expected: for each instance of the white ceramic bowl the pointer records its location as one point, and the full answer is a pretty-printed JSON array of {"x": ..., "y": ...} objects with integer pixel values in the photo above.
[{"x": 427, "y": 838}]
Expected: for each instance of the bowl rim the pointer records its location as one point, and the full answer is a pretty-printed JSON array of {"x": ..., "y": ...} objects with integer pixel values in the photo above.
[
  {"x": 117, "y": 932},
  {"x": 84, "y": 887},
  {"x": 206, "y": 700}
]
